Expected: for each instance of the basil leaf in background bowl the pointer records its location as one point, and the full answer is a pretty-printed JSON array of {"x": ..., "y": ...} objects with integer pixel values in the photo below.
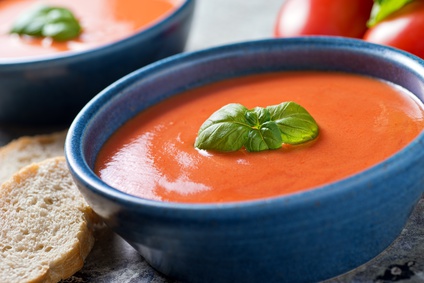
[{"x": 44, "y": 21}]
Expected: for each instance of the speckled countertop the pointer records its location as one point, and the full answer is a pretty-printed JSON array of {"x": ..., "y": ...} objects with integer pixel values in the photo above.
[{"x": 219, "y": 22}]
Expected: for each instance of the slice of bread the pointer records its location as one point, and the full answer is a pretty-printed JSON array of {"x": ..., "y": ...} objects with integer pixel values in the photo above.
[
  {"x": 46, "y": 225},
  {"x": 26, "y": 150}
]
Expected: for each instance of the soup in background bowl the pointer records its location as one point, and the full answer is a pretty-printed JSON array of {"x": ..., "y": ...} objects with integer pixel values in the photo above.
[
  {"x": 298, "y": 237},
  {"x": 48, "y": 82}
]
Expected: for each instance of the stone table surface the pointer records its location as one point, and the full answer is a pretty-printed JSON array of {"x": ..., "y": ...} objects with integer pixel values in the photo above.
[{"x": 218, "y": 22}]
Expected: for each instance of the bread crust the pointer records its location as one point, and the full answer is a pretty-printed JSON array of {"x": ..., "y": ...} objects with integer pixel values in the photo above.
[
  {"x": 28, "y": 149},
  {"x": 46, "y": 225}
]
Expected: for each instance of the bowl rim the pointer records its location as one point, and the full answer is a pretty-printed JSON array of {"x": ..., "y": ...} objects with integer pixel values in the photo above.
[
  {"x": 152, "y": 28},
  {"x": 81, "y": 171}
]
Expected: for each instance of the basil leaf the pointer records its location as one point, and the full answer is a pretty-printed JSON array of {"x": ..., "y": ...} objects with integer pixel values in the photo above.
[
  {"x": 61, "y": 25},
  {"x": 234, "y": 126},
  {"x": 295, "y": 123},
  {"x": 257, "y": 116},
  {"x": 383, "y": 8},
  {"x": 31, "y": 22},
  {"x": 266, "y": 137},
  {"x": 225, "y": 130},
  {"x": 44, "y": 21}
]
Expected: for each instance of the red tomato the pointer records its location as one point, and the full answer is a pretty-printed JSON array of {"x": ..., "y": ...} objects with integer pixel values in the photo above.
[
  {"x": 403, "y": 29},
  {"x": 323, "y": 17}
]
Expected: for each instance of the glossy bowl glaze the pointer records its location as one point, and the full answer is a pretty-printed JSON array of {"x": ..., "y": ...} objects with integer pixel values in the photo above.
[
  {"x": 52, "y": 90},
  {"x": 304, "y": 237}
]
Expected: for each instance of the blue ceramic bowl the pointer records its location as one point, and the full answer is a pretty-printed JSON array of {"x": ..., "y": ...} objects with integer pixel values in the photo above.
[
  {"x": 304, "y": 237},
  {"x": 53, "y": 89}
]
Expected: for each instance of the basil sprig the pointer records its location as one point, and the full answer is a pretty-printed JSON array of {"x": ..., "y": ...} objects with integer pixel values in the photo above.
[
  {"x": 383, "y": 8},
  {"x": 45, "y": 21},
  {"x": 234, "y": 126}
]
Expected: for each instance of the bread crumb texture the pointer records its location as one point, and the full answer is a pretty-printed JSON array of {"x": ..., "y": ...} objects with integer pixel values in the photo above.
[{"x": 46, "y": 225}]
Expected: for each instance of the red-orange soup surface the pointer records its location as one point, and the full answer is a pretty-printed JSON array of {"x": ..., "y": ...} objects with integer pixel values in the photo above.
[
  {"x": 362, "y": 122},
  {"x": 103, "y": 21}
]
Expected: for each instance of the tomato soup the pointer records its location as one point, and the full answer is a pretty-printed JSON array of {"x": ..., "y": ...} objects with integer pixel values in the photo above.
[
  {"x": 102, "y": 21},
  {"x": 362, "y": 121}
]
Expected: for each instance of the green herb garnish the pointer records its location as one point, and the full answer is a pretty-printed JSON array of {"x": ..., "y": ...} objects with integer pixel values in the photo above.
[
  {"x": 44, "y": 21},
  {"x": 234, "y": 126},
  {"x": 383, "y": 8}
]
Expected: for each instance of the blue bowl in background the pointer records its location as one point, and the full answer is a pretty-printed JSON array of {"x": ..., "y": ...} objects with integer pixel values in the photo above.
[
  {"x": 52, "y": 90},
  {"x": 304, "y": 237}
]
